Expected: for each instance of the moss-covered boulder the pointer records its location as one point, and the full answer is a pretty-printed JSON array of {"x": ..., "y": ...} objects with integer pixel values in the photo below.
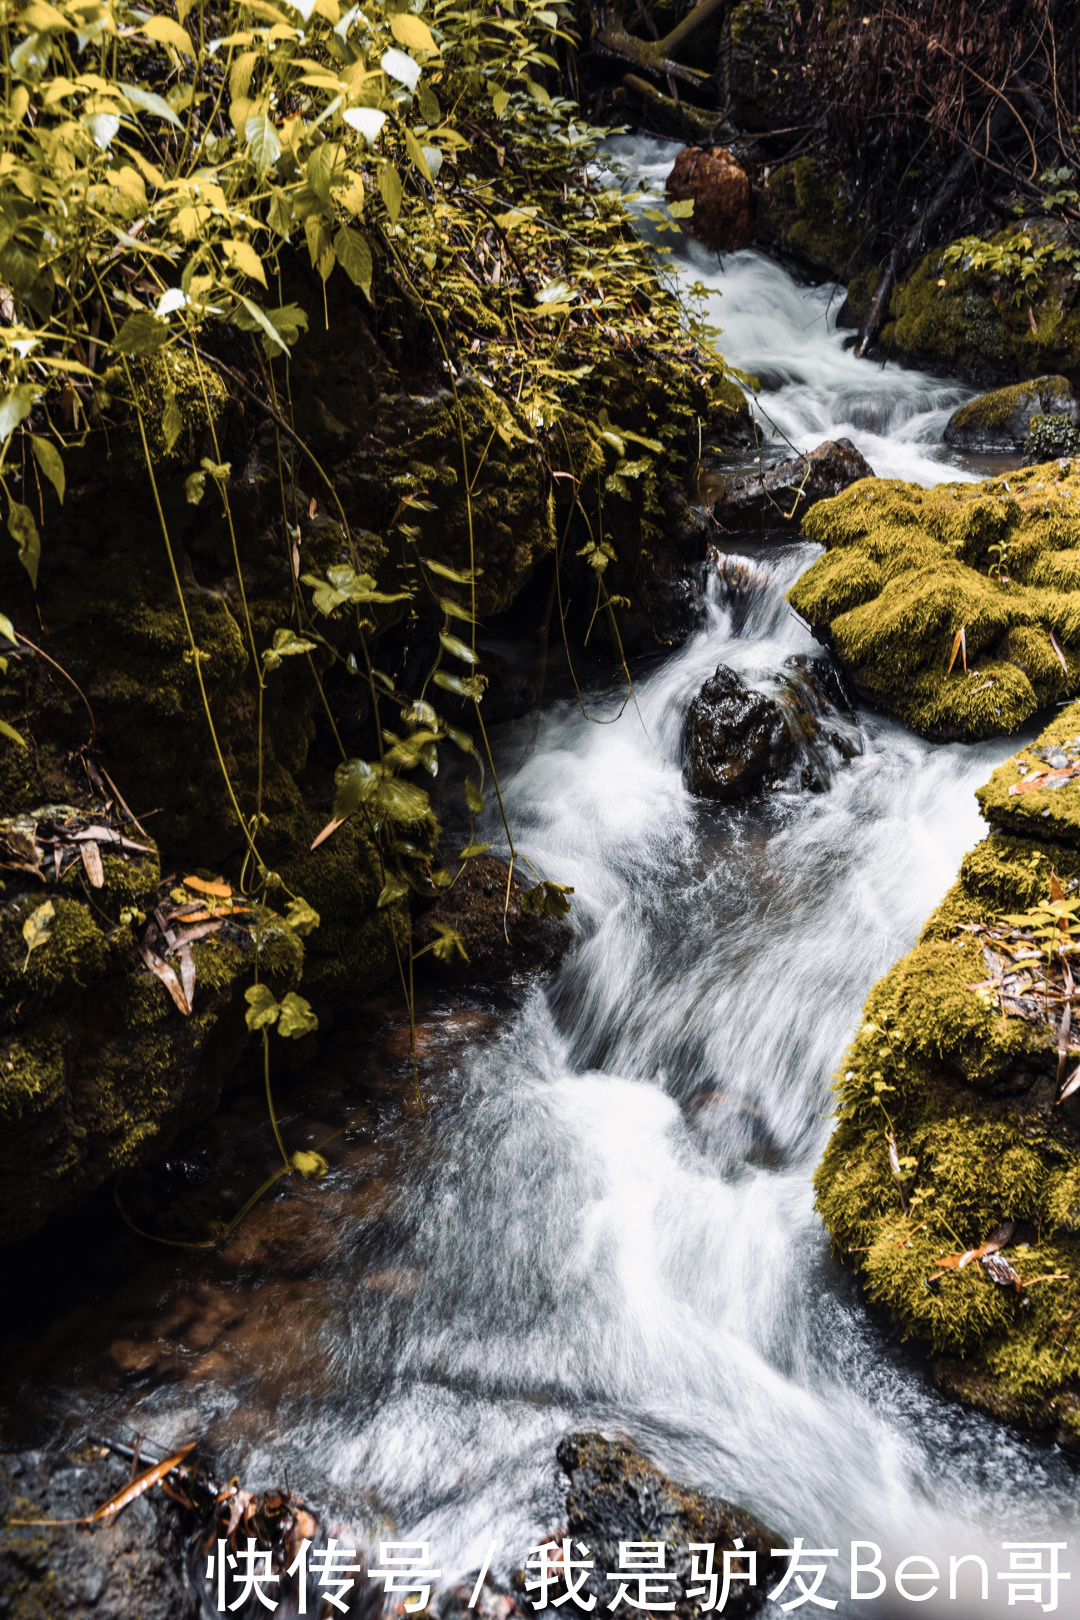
[
  {"x": 907, "y": 569},
  {"x": 99, "y": 1066},
  {"x": 1002, "y": 419},
  {"x": 977, "y": 316},
  {"x": 806, "y": 213},
  {"x": 952, "y": 1180}
]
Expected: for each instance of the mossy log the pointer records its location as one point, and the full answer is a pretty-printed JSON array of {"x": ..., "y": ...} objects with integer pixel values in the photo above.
[
  {"x": 906, "y": 569},
  {"x": 948, "y": 1124}
]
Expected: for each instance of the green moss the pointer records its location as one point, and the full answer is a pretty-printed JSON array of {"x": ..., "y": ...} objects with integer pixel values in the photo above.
[
  {"x": 807, "y": 212},
  {"x": 1001, "y": 407},
  {"x": 906, "y": 568},
  {"x": 945, "y": 315},
  {"x": 155, "y": 378},
  {"x": 353, "y": 948},
  {"x": 965, "y": 1093}
]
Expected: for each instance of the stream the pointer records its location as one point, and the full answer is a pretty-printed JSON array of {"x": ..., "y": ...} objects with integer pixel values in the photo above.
[{"x": 606, "y": 1216}]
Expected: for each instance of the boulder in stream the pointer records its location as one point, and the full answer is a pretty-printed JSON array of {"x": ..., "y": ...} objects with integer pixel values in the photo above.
[
  {"x": 1001, "y": 421},
  {"x": 718, "y": 185},
  {"x": 529, "y": 939},
  {"x": 617, "y": 1495},
  {"x": 740, "y": 741},
  {"x": 777, "y": 497}
]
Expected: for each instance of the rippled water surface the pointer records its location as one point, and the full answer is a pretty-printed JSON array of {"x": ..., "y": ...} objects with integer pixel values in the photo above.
[{"x": 606, "y": 1217}]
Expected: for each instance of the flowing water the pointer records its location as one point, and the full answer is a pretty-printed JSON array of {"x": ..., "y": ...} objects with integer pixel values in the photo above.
[{"x": 607, "y": 1218}]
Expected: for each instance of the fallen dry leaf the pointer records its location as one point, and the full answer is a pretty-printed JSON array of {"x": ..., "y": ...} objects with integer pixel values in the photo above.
[
  {"x": 168, "y": 978},
  {"x": 221, "y": 891},
  {"x": 91, "y": 859}
]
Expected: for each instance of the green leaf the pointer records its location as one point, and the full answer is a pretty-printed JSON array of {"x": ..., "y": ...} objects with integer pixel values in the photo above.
[
  {"x": 457, "y": 648},
  {"x": 36, "y": 929},
  {"x": 287, "y": 644},
  {"x": 409, "y": 31},
  {"x": 451, "y": 573},
  {"x": 500, "y": 101},
  {"x": 312, "y": 1166},
  {"x": 9, "y": 731},
  {"x": 390, "y": 190},
  {"x": 167, "y": 32},
  {"x": 393, "y": 889},
  {"x": 50, "y": 461},
  {"x": 8, "y": 629},
  {"x": 681, "y": 209},
  {"x": 297, "y": 1018},
  {"x": 454, "y": 610},
  {"x": 243, "y": 257},
  {"x": 320, "y": 169},
  {"x": 430, "y": 111},
  {"x": 356, "y": 782},
  {"x": 472, "y": 850},
  {"x": 263, "y": 143},
  {"x": 473, "y": 797},
  {"x": 547, "y": 900},
  {"x": 401, "y": 801},
  {"x": 416, "y": 154},
  {"x": 171, "y": 421},
  {"x": 263, "y": 1009},
  {"x": 195, "y": 487},
  {"x": 15, "y": 406},
  {"x": 23, "y": 531},
  {"x": 141, "y": 333},
  {"x": 354, "y": 256},
  {"x": 151, "y": 103},
  {"x": 301, "y": 917},
  {"x": 449, "y": 943}
]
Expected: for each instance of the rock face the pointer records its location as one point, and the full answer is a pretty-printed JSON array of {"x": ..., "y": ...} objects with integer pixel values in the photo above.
[
  {"x": 723, "y": 217},
  {"x": 616, "y": 1495},
  {"x": 473, "y": 908},
  {"x": 1001, "y": 420},
  {"x": 778, "y": 496},
  {"x": 740, "y": 742},
  {"x": 130, "y": 1566}
]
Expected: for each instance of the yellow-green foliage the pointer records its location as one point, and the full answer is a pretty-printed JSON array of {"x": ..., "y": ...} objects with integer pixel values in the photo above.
[
  {"x": 967, "y": 1097},
  {"x": 907, "y": 568}
]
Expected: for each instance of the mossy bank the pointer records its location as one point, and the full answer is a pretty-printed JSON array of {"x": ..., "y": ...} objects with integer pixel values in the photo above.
[
  {"x": 951, "y": 1183},
  {"x": 954, "y": 608}
]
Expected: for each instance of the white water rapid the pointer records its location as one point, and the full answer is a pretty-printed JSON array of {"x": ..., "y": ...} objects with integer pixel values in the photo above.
[{"x": 618, "y": 1226}]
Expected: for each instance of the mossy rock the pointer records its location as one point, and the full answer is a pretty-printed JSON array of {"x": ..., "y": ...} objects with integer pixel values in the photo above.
[
  {"x": 1002, "y": 419},
  {"x": 962, "y": 1090},
  {"x": 906, "y": 569},
  {"x": 806, "y": 213},
  {"x": 949, "y": 317}
]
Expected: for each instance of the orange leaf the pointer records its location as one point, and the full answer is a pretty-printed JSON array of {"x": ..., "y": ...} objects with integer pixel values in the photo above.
[
  {"x": 1056, "y": 891},
  {"x": 959, "y": 641},
  {"x": 331, "y": 827},
  {"x": 1060, "y": 654},
  {"x": 138, "y": 1486},
  {"x": 221, "y": 890}
]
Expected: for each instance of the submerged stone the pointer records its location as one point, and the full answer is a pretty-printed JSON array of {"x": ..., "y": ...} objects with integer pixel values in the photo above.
[
  {"x": 778, "y": 496},
  {"x": 740, "y": 742},
  {"x": 1002, "y": 419},
  {"x": 616, "y": 1495}
]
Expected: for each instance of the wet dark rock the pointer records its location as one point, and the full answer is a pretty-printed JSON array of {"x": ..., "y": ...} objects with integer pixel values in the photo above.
[
  {"x": 777, "y": 497},
  {"x": 128, "y": 1568},
  {"x": 1001, "y": 420},
  {"x": 740, "y": 742},
  {"x": 723, "y": 217},
  {"x": 618, "y": 1495},
  {"x": 474, "y": 909}
]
